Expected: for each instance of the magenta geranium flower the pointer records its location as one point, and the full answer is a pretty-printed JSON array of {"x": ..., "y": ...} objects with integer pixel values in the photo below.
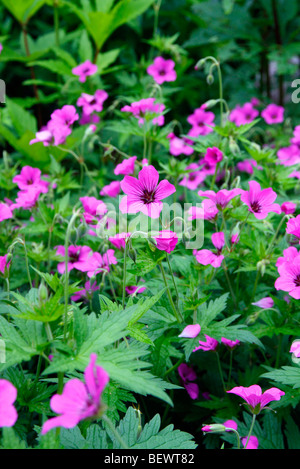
[
  {"x": 8, "y": 395},
  {"x": 191, "y": 331},
  {"x": 289, "y": 156},
  {"x": 93, "y": 208},
  {"x": 86, "y": 293},
  {"x": 213, "y": 156},
  {"x": 252, "y": 443},
  {"x": 135, "y": 289},
  {"x": 247, "y": 166},
  {"x": 111, "y": 190},
  {"x": 162, "y": 70},
  {"x": 77, "y": 257},
  {"x": 260, "y": 201},
  {"x": 293, "y": 227},
  {"x": 85, "y": 70},
  {"x": 188, "y": 375},
  {"x": 210, "y": 344},
  {"x": 5, "y": 212},
  {"x": 289, "y": 279},
  {"x": 145, "y": 194},
  {"x": 242, "y": 115},
  {"x": 222, "y": 197},
  {"x": 207, "y": 257},
  {"x": 97, "y": 263},
  {"x": 201, "y": 122},
  {"x": 255, "y": 399},
  {"x": 295, "y": 348},
  {"x": 119, "y": 240},
  {"x": 207, "y": 211},
  {"x": 29, "y": 177},
  {"x": 126, "y": 167},
  {"x": 180, "y": 146},
  {"x": 79, "y": 400},
  {"x": 264, "y": 303},
  {"x": 231, "y": 344},
  {"x": 146, "y": 109},
  {"x": 193, "y": 178},
  {"x": 288, "y": 207},
  {"x": 66, "y": 116},
  {"x": 166, "y": 240},
  {"x": 273, "y": 114},
  {"x": 92, "y": 102},
  {"x": 4, "y": 265}
]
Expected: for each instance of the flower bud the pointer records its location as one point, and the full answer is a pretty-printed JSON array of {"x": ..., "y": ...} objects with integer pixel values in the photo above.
[
  {"x": 214, "y": 428},
  {"x": 210, "y": 79}
]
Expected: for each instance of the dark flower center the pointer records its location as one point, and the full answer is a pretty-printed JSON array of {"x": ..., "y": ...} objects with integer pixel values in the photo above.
[
  {"x": 256, "y": 207},
  {"x": 162, "y": 72},
  {"x": 297, "y": 281},
  {"x": 148, "y": 197}
]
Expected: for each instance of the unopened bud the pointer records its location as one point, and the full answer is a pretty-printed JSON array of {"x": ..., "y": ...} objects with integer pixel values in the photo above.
[
  {"x": 233, "y": 147},
  {"x": 210, "y": 79},
  {"x": 214, "y": 428},
  {"x": 210, "y": 103},
  {"x": 199, "y": 64},
  {"x": 43, "y": 292}
]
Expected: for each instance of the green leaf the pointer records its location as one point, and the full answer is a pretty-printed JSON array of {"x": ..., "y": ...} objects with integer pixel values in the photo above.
[{"x": 23, "y": 10}]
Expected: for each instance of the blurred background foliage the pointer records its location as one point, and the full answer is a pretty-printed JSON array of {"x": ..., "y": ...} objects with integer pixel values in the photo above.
[{"x": 256, "y": 41}]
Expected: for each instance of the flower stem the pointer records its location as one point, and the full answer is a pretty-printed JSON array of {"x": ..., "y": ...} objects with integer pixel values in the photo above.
[
  {"x": 124, "y": 276},
  {"x": 176, "y": 313},
  {"x": 250, "y": 431},
  {"x": 114, "y": 431},
  {"x": 220, "y": 370}
]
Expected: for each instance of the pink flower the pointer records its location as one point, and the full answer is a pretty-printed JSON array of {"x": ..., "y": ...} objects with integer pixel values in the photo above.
[
  {"x": 180, "y": 146},
  {"x": 201, "y": 122},
  {"x": 207, "y": 211},
  {"x": 288, "y": 207},
  {"x": 247, "y": 166},
  {"x": 210, "y": 344},
  {"x": 4, "y": 265},
  {"x": 273, "y": 114},
  {"x": 77, "y": 257},
  {"x": 146, "y": 109},
  {"x": 206, "y": 257},
  {"x": 252, "y": 443},
  {"x": 27, "y": 199},
  {"x": 289, "y": 277},
  {"x": 5, "y": 212},
  {"x": 264, "y": 303},
  {"x": 289, "y": 255},
  {"x": 86, "y": 293},
  {"x": 194, "y": 178},
  {"x": 8, "y": 395},
  {"x": 162, "y": 70},
  {"x": 119, "y": 240},
  {"x": 295, "y": 348},
  {"x": 111, "y": 190},
  {"x": 213, "y": 156},
  {"x": 30, "y": 177},
  {"x": 230, "y": 424},
  {"x": 191, "y": 331},
  {"x": 242, "y": 115},
  {"x": 1, "y": 47},
  {"x": 289, "y": 156},
  {"x": 260, "y": 201},
  {"x": 145, "y": 194},
  {"x": 166, "y": 241},
  {"x": 126, "y": 167},
  {"x": 188, "y": 375},
  {"x": 66, "y": 116},
  {"x": 254, "y": 397},
  {"x": 134, "y": 289},
  {"x": 93, "y": 208},
  {"x": 89, "y": 119},
  {"x": 84, "y": 70},
  {"x": 92, "y": 103},
  {"x": 97, "y": 263},
  {"x": 79, "y": 400},
  {"x": 231, "y": 344},
  {"x": 222, "y": 197},
  {"x": 293, "y": 227}
]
